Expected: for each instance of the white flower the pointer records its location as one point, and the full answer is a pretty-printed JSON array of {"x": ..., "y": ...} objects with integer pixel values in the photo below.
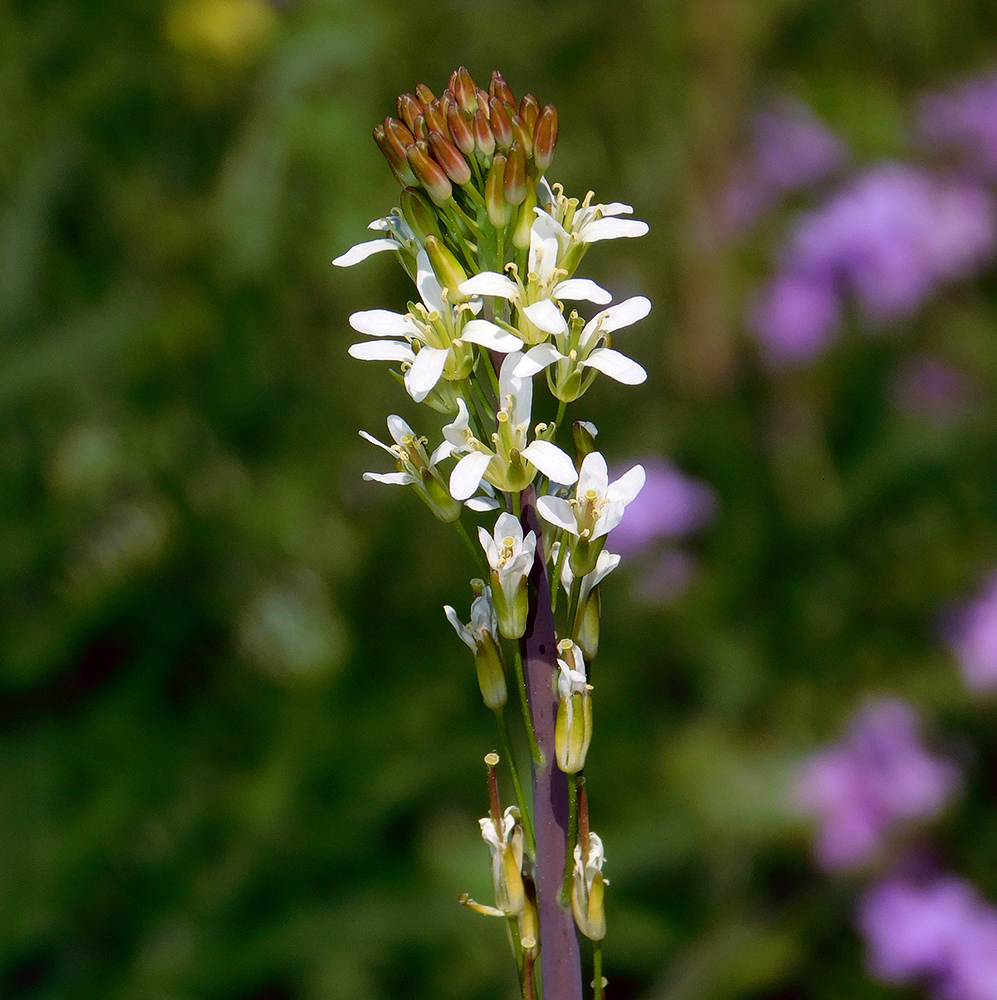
[
  {"x": 598, "y": 505},
  {"x": 587, "y": 889},
  {"x": 586, "y": 223},
  {"x": 483, "y": 619},
  {"x": 508, "y": 552},
  {"x": 571, "y": 678},
  {"x": 544, "y": 280},
  {"x": 432, "y": 339},
  {"x": 506, "y": 848},
  {"x": 604, "y": 565},
  {"x": 573, "y": 349},
  {"x": 512, "y": 465},
  {"x": 400, "y": 237}
]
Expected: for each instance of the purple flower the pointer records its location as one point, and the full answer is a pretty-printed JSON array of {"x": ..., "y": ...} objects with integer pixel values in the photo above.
[
  {"x": 964, "y": 120},
  {"x": 879, "y": 776},
  {"x": 929, "y": 386},
  {"x": 937, "y": 931},
  {"x": 790, "y": 149},
  {"x": 892, "y": 236},
  {"x": 973, "y": 639},
  {"x": 670, "y": 504}
]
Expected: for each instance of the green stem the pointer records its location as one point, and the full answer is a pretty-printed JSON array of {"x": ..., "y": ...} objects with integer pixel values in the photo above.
[
  {"x": 555, "y": 589},
  {"x": 597, "y": 972},
  {"x": 561, "y": 407},
  {"x": 516, "y": 504},
  {"x": 524, "y": 701},
  {"x": 476, "y": 554},
  {"x": 576, "y": 590},
  {"x": 569, "y": 854},
  {"x": 524, "y": 811}
]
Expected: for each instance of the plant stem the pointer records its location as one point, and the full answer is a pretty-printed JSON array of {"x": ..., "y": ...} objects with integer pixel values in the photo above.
[
  {"x": 524, "y": 702},
  {"x": 597, "y": 972},
  {"x": 561, "y": 972},
  {"x": 524, "y": 811},
  {"x": 569, "y": 859},
  {"x": 476, "y": 554}
]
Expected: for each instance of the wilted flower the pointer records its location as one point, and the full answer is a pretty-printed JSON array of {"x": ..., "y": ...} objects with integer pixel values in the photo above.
[
  {"x": 480, "y": 636},
  {"x": 587, "y": 889},
  {"x": 505, "y": 842}
]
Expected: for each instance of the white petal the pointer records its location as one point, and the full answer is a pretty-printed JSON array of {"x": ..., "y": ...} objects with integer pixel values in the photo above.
[
  {"x": 490, "y": 283},
  {"x": 555, "y": 464},
  {"x": 617, "y": 208},
  {"x": 485, "y": 334},
  {"x": 443, "y": 450},
  {"x": 609, "y": 517},
  {"x": 382, "y": 323},
  {"x": 391, "y": 478},
  {"x": 546, "y": 315},
  {"x": 611, "y": 229},
  {"x": 536, "y": 359},
  {"x": 482, "y": 504},
  {"x": 398, "y": 428},
  {"x": 382, "y": 350},
  {"x": 364, "y": 250},
  {"x": 456, "y": 432},
  {"x": 543, "y": 252},
  {"x": 425, "y": 372},
  {"x": 428, "y": 285},
  {"x": 467, "y": 473},
  {"x": 507, "y": 526},
  {"x": 459, "y": 627},
  {"x": 582, "y": 288},
  {"x": 558, "y": 512},
  {"x": 628, "y": 485},
  {"x": 373, "y": 440},
  {"x": 593, "y": 475},
  {"x": 615, "y": 365}
]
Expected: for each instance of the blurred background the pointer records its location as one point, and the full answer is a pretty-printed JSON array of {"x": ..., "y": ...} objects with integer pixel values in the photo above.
[{"x": 240, "y": 747}]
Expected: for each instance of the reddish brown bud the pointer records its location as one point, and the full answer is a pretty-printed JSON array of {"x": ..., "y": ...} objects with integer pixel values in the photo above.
[
  {"x": 497, "y": 87},
  {"x": 484, "y": 138},
  {"x": 522, "y": 135},
  {"x": 501, "y": 124},
  {"x": 449, "y": 157},
  {"x": 460, "y": 131},
  {"x": 397, "y": 160},
  {"x": 464, "y": 90},
  {"x": 398, "y": 135},
  {"x": 529, "y": 108},
  {"x": 435, "y": 120},
  {"x": 446, "y": 102},
  {"x": 499, "y": 211},
  {"x": 424, "y": 94},
  {"x": 514, "y": 181},
  {"x": 409, "y": 109},
  {"x": 482, "y": 98},
  {"x": 429, "y": 173},
  {"x": 420, "y": 131},
  {"x": 545, "y": 137}
]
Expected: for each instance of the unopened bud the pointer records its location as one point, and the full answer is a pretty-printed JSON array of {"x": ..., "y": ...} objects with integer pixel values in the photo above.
[
  {"x": 430, "y": 174},
  {"x": 484, "y": 138},
  {"x": 497, "y": 87},
  {"x": 529, "y": 108},
  {"x": 424, "y": 94},
  {"x": 437, "y": 497},
  {"x": 499, "y": 210},
  {"x": 514, "y": 178},
  {"x": 448, "y": 269},
  {"x": 419, "y": 130},
  {"x": 397, "y": 160},
  {"x": 419, "y": 214},
  {"x": 525, "y": 217},
  {"x": 522, "y": 135},
  {"x": 399, "y": 135},
  {"x": 448, "y": 156},
  {"x": 587, "y": 627},
  {"x": 583, "y": 434},
  {"x": 436, "y": 121},
  {"x": 409, "y": 108},
  {"x": 460, "y": 131},
  {"x": 545, "y": 137},
  {"x": 501, "y": 123},
  {"x": 463, "y": 88}
]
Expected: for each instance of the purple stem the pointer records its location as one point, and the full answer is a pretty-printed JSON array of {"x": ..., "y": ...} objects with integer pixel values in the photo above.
[{"x": 559, "y": 955}]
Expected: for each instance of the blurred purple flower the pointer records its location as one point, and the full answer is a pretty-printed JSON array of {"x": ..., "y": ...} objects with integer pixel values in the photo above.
[
  {"x": 891, "y": 237},
  {"x": 973, "y": 639},
  {"x": 790, "y": 149},
  {"x": 877, "y": 777},
  {"x": 671, "y": 504},
  {"x": 964, "y": 120},
  {"x": 929, "y": 386},
  {"x": 939, "y": 932}
]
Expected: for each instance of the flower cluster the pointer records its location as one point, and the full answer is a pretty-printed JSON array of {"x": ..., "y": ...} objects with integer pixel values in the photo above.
[{"x": 493, "y": 248}]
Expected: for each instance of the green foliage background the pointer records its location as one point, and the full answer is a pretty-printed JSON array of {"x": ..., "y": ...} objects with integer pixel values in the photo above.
[{"x": 240, "y": 748}]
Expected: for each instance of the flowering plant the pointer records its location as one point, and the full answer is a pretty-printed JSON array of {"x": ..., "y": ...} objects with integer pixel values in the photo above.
[{"x": 493, "y": 249}]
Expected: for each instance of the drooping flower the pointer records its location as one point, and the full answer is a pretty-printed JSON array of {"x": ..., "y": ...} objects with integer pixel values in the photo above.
[
  {"x": 480, "y": 636},
  {"x": 878, "y": 777},
  {"x": 577, "y": 347},
  {"x": 400, "y": 237},
  {"x": 513, "y": 463},
  {"x": 587, "y": 889},
  {"x": 505, "y": 843},
  {"x": 432, "y": 340}
]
